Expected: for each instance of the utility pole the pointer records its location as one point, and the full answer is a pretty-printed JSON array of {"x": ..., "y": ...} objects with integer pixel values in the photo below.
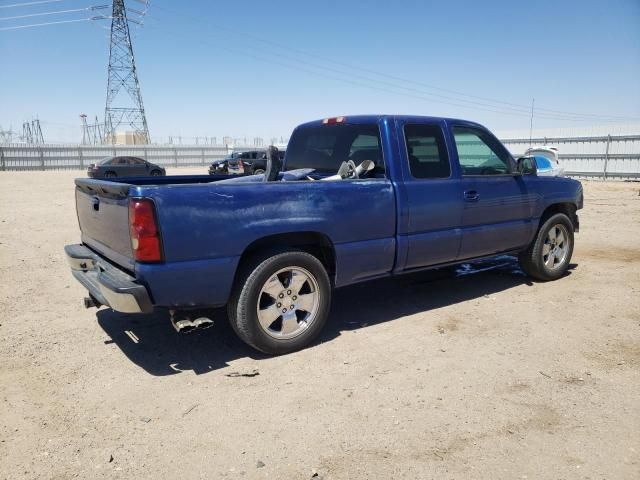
[
  {"x": 126, "y": 109},
  {"x": 86, "y": 137},
  {"x": 533, "y": 102}
]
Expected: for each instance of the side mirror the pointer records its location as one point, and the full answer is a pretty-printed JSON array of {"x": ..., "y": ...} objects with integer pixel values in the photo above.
[{"x": 526, "y": 166}]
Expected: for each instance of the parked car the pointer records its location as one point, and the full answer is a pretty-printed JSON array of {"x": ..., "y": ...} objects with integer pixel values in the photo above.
[
  {"x": 259, "y": 164},
  {"x": 236, "y": 164},
  {"x": 251, "y": 162},
  {"x": 124, "y": 167},
  {"x": 545, "y": 167},
  {"x": 358, "y": 198},
  {"x": 221, "y": 166},
  {"x": 546, "y": 159},
  {"x": 218, "y": 166}
]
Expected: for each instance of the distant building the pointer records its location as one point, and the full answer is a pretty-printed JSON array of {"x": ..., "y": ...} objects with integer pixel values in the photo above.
[{"x": 127, "y": 138}]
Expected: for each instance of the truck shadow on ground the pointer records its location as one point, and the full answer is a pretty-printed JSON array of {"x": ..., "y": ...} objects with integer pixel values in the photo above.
[{"x": 151, "y": 342}]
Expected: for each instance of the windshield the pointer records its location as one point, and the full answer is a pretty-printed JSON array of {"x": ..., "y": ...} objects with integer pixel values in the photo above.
[{"x": 325, "y": 147}]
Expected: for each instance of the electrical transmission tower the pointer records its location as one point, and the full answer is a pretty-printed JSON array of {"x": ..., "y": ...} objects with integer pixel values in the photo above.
[
  {"x": 27, "y": 136},
  {"x": 91, "y": 133},
  {"x": 124, "y": 101},
  {"x": 6, "y": 136},
  {"x": 37, "y": 132},
  {"x": 32, "y": 133}
]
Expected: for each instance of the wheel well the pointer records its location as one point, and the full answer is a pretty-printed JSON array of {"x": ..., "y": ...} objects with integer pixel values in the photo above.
[
  {"x": 569, "y": 209},
  {"x": 314, "y": 243}
]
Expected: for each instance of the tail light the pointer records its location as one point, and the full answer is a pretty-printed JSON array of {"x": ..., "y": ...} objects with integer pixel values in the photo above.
[
  {"x": 143, "y": 225},
  {"x": 240, "y": 163}
]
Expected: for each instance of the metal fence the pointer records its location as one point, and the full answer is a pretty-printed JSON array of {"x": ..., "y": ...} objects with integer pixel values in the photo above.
[
  {"x": 59, "y": 157},
  {"x": 609, "y": 156}
]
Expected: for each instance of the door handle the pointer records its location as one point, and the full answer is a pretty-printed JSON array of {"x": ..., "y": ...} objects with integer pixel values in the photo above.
[{"x": 471, "y": 196}]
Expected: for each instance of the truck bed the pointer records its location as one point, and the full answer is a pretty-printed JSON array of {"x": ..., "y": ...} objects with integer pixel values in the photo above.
[{"x": 206, "y": 225}]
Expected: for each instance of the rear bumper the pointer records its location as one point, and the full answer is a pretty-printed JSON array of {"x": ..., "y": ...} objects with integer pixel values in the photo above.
[{"x": 107, "y": 284}]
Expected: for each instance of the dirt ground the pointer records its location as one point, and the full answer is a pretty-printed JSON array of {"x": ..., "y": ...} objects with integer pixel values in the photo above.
[{"x": 482, "y": 375}]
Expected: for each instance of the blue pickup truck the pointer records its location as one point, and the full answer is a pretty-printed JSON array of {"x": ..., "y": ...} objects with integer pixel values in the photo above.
[{"x": 356, "y": 198}]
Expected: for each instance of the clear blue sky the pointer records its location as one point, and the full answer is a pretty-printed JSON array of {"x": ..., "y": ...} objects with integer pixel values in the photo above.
[{"x": 207, "y": 67}]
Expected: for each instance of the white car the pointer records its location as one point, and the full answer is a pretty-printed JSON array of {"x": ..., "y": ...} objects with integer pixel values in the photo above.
[{"x": 547, "y": 162}]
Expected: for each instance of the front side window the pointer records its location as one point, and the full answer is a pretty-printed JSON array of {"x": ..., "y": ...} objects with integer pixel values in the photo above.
[
  {"x": 479, "y": 154},
  {"x": 426, "y": 151},
  {"x": 324, "y": 147}
]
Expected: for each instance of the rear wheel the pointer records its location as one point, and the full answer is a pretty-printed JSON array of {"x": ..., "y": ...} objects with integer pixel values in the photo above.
[
  {"x": 110, "y": 174},
  {"x": 548, "y": 257},
  {"x": 258, "y": 171},
  {"x": 280, "y": 303}
]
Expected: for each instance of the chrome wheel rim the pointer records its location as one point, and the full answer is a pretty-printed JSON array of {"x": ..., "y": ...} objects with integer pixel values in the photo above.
[
  {"x": 556, "y": 247},
  {"x": 288, "y": 303}
]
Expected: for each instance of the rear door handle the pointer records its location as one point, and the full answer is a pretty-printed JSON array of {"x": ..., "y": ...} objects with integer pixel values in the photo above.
[{"x": 471, "y": 196}]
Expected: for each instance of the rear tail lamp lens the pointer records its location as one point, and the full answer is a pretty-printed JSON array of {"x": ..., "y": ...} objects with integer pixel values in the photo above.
[{"x": 145, "y": 237}]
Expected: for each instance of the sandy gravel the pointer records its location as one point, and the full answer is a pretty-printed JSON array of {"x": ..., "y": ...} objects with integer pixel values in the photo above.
[{"x": 437, "y": 375}]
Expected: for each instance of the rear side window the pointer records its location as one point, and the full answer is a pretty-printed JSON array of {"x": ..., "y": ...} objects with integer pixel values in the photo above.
[
  {"x": 325, "y": 147},
  {"x": 426, "y": 151}
]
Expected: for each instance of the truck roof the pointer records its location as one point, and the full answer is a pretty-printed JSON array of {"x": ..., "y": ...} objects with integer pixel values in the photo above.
[{"x": 371, "y": 118}]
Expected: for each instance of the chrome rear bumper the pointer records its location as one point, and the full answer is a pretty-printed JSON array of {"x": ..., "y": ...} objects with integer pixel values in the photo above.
[{"x": 106, "y": 283}]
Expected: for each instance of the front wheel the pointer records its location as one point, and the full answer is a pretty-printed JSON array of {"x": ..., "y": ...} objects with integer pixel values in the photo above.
[
  {"x": 281, "y": 303},
  {"x": 548, "y": 257},
  {"x": 156, "y": 173}
]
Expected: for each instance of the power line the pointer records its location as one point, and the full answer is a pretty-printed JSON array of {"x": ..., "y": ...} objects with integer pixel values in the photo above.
[
  {"x": 56, "y": 12},
  {"x": 382, "y": 74},
  {"x": 354, "y": 82},
  {"x": 34, "y": 25},
  {"x": 486, "y": 102},
  {"x": 27, "y": 4},
  {"x": 388, "y": 86}
]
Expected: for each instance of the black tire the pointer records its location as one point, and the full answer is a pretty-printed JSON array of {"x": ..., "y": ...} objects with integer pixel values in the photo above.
[
  {"x": 246, "y": 295},
  {"x": 110, "y": 175},
  {"x": 258, "y": 171},
  {"x": 532, "y": 260},
  {"x": 156, "y": 173}
]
